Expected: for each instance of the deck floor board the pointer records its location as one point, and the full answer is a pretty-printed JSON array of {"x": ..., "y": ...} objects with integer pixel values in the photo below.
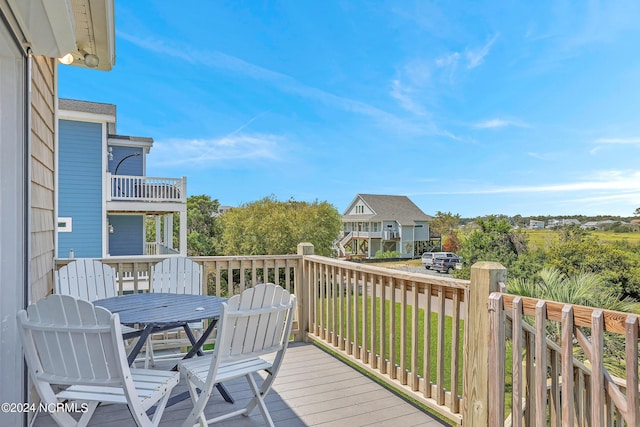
[{"x": 313, "y": 388}]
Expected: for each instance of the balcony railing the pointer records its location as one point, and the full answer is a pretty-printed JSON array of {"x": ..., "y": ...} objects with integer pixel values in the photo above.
[
  {"x": 145, "y": 189},
  {"x": 441, "y": 341},
  {"x": 153, "y": 248}
]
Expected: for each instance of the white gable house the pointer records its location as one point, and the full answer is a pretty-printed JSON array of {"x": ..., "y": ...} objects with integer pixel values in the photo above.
[{"x": 375, "y": 223}]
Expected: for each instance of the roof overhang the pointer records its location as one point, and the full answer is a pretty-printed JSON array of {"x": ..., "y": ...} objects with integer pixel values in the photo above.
[{"x": 76, "y": 27}]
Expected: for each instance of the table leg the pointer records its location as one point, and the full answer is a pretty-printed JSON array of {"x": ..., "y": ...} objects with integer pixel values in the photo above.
[
  {"x": 141, "y": 340},
  {"x": 196, "y": 347}
]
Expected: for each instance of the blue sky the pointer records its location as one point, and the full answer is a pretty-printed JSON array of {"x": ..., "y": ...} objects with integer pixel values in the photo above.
[{"x": 475, "y": 108}]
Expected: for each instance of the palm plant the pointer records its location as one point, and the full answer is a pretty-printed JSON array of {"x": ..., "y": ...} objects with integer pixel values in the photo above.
[{"x": 586, "y": 289}]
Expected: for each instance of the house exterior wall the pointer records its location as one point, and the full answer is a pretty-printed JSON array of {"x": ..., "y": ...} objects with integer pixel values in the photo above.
[
  {"x": 43, "y": 123},
  {"x": 421, "y": 231},
  {"x": 360, "y": 208},
  {"x": 127, "y": 237},
  {"x": 14, "y": 276},
  {"x": 80, "y": 182}
]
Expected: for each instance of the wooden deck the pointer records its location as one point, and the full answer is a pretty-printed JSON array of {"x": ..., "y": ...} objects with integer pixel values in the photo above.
[{"x": 313, "y": 388}]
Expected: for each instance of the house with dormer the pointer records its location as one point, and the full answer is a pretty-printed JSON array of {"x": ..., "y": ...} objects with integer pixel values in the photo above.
[
  {"x": 104, "y": 196},
  {"x": 374, "y": 222}
]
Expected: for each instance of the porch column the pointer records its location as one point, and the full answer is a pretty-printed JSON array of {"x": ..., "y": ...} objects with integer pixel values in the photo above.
[
  {"x": 168, "y": 230},
  {"x": 183, "y": 232},
  {"x": 158, "y": 231}
]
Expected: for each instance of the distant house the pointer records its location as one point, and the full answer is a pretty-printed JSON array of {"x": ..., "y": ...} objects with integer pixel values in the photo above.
[
  {"x": 536, "y": 225},
  {"x": 104, "y": 196},
  {"x": 553, "y": 223},
  {"x": 384, "y": 223}
]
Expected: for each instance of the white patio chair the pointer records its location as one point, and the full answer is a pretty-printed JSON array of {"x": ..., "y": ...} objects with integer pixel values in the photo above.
[
  {"x": 90, "y": 280},
  {"x": 176, "y": 275},
  {"x": 253, "y": 324},
  {"x": 71, "y": 343},
  {"x": 87, "y": 279}
]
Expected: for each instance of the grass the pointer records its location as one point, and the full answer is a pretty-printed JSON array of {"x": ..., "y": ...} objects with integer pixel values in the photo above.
[
  {"x": 433, "y": 344},
  {"x": 394, "y": 341},
  {"x": 541, "y": 239}
]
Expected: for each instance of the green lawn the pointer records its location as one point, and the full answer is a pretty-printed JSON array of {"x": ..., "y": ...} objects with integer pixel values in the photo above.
[
  {"x": 540, "y": 239},
  {"x": 394, "y": 342}
]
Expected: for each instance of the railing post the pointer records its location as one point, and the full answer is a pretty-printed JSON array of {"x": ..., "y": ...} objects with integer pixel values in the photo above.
[
  {"x": 485, "y": 278},
  {"x": 303, "y": 291}
]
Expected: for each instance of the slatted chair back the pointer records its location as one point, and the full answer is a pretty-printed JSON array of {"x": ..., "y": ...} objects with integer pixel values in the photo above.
[
  {"x": 177, "y": 275},
  {"x": 69, "y": 341},
  {"x": 254, "y": 323},
  {"x": 87, "y": 279}
]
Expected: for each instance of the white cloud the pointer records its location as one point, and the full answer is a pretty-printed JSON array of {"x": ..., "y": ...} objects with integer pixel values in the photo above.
[
  {"x": 405, "y": 97},
  {"x": 476, "y": 57},
  {"x": 201, "y": 152},
  {"x": 498, "y": 123},
  {"x": 615, "y": 180},
  {"x": 601, "y": 143}
]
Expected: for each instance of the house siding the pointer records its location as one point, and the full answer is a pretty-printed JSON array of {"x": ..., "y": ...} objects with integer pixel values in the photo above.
[
  {"x": 80, "y": 188},
  {"x": 127, "y": 236},
  {"x": 133, "y": 166},
  {"x": 42, "y": 176}
]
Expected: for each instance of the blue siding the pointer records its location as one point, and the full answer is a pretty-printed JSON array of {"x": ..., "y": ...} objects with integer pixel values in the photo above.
[
  {"x": 80, "y": 187},
  {"x": 127, "y": 237},
  {"x": 131, "y": 166}
]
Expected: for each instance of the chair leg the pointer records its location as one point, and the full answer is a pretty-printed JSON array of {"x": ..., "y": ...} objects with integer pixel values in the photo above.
[
  {"x": 84, "y": 419},
  {"x": 264, "y": 389},
  {"x": 258, "y": 400},
  {"x": 199, "y": 402}
]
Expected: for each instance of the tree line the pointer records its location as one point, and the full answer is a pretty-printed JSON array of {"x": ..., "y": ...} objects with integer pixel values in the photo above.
[
  {"x": 263, "y": 227},
  {"x": 576, "y": 254}
]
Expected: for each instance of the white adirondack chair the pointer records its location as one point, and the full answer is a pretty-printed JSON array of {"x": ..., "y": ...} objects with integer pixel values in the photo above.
[
  {"x": 176, "y": 275},
  {"x": 71, "y": 343},
  {"x": 253, "y": 324},
  {"x": 88, "y": 279}
]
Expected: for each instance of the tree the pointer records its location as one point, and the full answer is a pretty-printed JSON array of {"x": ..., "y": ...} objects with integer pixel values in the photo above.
[
  {"x": 637, "y": 211},
  {"x": 446, "y": 224},
  {"x": 203, "y": 226},
  {"x": 618, "y": 268},
  {"x": 493, "y": 240},
  {"x": 271, "y": 227}
]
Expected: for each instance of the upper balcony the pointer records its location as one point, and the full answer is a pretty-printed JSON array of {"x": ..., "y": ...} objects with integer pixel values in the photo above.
[{"x": 144, "y": 193}]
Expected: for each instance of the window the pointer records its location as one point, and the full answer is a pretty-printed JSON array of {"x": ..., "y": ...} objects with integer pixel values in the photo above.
[{"x": 65, "y": 225}]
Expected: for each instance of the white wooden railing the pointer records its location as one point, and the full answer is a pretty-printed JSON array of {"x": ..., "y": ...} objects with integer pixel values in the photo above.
[
  {"x": 154, "y": 248},
  {"x": 145, "y": 189}
]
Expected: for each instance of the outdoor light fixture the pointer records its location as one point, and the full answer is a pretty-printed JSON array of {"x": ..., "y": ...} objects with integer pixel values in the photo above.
[
  {"x": 66, "y": 59},
  {"x": 111, "y": 229},
  {"x": 90, "y": 60},
  {"x": 123, "y": 159},
  {"x": 110, "y": 153}
]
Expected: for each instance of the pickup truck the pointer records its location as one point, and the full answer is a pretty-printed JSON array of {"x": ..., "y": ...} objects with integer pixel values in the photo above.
[{"x": 445, "y": 264}]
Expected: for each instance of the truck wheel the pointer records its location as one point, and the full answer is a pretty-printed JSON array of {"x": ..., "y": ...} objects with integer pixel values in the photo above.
[
  {"x": 449, "y": 270},
  {"x": 427, "y": 267}
]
